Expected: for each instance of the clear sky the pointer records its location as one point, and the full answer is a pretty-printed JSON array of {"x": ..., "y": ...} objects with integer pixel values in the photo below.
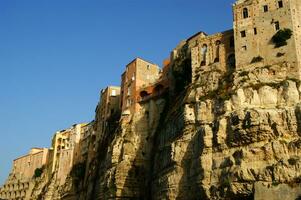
[{"x": 56, "y": 56}]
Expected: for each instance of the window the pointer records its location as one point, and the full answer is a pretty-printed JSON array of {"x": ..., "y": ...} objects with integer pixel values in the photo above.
[
  {"x": 232, "y": 41},
  {"x": 113, "y": 93},
  {"x": 255, "y": 31},
  {"x": 280, "y": 4},
  {"x": 244, "y": 48},
  {"x": 243, "y": 33},
  {"x": 265, "y": 8},
  {"x": 204, "y": 49},
  {"x": 245, "y": 13},
  {"x": 148, "y": 67},
  {"x": 277, "y": 26},
  {"x": 216, "y": 60},
  {"x": 204, "y": 54}
]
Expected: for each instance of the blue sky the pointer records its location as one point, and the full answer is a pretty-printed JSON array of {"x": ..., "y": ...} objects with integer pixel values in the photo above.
[{"x": 56, "y": 55}]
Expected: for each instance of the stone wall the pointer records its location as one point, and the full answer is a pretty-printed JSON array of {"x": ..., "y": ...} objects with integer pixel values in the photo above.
[{"x": 254, "y": 31}]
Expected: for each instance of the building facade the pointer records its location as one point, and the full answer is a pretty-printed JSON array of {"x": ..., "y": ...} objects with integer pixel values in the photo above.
[
  {"x": 158, "y": 87},
  {"x": 66, "y": 151},
  {"x": 107, "y": 111},
  {"x": 19, "y": 182},
  {"x": 139, "y": 73},
  {"x": 255, "y": 24}
]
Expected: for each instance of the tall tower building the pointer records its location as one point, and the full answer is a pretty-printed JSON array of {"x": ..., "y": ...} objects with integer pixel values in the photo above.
[{"x": 255, "y": 24}]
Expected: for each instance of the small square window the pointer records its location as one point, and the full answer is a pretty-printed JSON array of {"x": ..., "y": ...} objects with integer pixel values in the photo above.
[
  {"x": 255, "y": 31},
  {"x": 280, "y": 4},
  {"x": 277, "y": 26},
  {"x": 243, "y": 33},
  {"x": 244, "y": 48},
  {"x": 265, "y": 8},
  {"x": 113, "y": 93}
]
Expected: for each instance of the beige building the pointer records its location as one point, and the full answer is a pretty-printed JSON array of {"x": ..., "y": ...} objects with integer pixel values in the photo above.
[
  {"x": 86, "y": 141},
  {"x": 157, "y": 88},
  {"x": 215, "y": 51},
  {"x": 25, "y": 166},
  {"x": 18, "y": 184},
  {"x": 256, "y": 22},
  {"x": 139, "y": 73},
  {"x": 250, "y": 42},
  {"x": 66, "y": 151},
  {"x": 107, "y": 111}
]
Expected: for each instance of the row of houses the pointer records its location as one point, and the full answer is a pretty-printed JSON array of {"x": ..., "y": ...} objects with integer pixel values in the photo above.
[
  {"x": 79, "y": 143},
  {"x": 248, "y": 44}
]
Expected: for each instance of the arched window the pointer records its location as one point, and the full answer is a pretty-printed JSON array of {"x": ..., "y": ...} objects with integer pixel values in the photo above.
[
  {"x": 231, "y": 43},
  {"x": 204, "y": 54},
  {"x": 217, "y": 49},
  {"x": 143, "y": 94},
  {"x": 245, "y": 13},
  {"x": 203, "y": 63},
  {"x": 204, "y": 49}
]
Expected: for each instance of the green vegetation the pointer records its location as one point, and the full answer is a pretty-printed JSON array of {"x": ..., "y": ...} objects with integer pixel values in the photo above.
[
  {"x": 38, "y": 172},
  {"x": 281, "y": 37},
  {"x": 257, "y": 59},
  {"x": 181, "y": 70},
  {"x": 280, "y": 54},
  {"x": 293, "y": 161}
]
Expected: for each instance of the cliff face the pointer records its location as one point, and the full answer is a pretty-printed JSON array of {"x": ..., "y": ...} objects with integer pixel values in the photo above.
[
  {"x": 235, "y": 138},
  {"x": 223, "y": 139},
  {"x": 221, "y": 134},
  {"x": 241, "y": 130},
  {"x": 228, "y": 135}
]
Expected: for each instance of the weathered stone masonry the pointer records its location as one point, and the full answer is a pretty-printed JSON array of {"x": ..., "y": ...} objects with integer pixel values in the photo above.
[{"x": 221, "y": 120}]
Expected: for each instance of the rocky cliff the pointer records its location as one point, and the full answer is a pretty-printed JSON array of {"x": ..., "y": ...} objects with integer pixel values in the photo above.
[{"x": 227, "y": 135}]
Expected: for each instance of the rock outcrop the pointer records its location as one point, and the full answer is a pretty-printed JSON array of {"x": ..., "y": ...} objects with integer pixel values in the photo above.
[{"x": 235, "y": 138}]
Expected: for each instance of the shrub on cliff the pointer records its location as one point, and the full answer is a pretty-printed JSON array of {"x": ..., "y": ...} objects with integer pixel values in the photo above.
[
  {"x": 257, "y": 59},
  {"x": 281, "y": 37},
  {"x": 38, "y": 172}
]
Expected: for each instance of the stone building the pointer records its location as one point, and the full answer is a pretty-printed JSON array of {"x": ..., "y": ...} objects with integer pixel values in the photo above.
[
  {"x": 19, "y": 183},
  {"x": 107, "y": 109},
  {"x": 256, "y": 22},
  {"x": 232, "y": 132},
  {"x": 212, "y": 51},
  {"x": 85, "y": 141},
  {"x": 139, "y": 73},
  {"x": 205, "y": 52},
  {"x": 66, "y": 151},
  {"x": 159, "y": 87}
]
